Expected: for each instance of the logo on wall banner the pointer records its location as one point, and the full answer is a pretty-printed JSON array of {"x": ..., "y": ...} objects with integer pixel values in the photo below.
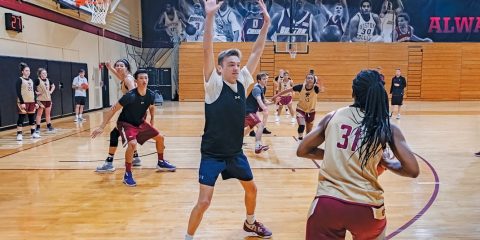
[{"x": 454, "y": 25}]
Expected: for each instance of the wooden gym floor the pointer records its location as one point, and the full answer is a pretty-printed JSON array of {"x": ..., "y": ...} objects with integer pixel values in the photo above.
[{"x": 50, "y": 191}]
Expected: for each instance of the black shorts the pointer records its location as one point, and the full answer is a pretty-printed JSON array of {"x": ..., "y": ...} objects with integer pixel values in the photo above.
[
  {"x": 79, "y": 100},
  {"x": 233, "y": 167},
  {"x": 397, "y": 100}
]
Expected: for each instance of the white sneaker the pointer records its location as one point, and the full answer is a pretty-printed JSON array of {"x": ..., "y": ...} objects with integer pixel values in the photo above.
[
  {"x": 76, "y": 119},
  {"x": 19, "y": 137},
  {"x": 398, "y": 116},
  {"x": 35, "y": 135},
  {"x": 294, "y": 120},
  {"x": 277, "y": 119}
]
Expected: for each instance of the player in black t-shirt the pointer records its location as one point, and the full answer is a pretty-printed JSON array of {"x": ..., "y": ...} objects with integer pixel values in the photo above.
[
  {"x": 131, "y": 123},
  {"x": 399, "y": 83}
]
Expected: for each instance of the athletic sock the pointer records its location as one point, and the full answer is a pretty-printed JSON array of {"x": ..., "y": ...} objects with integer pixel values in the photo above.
[
  {"x": 110, "y": 157},
  {"x": 251, "y": 219}
]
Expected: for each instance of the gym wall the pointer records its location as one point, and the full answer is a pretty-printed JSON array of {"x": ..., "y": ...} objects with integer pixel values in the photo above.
[
  {"x": 43, "y": 39},
  {"x": 434, "y": 71}
]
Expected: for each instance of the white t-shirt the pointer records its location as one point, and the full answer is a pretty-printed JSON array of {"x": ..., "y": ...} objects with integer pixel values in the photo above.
[
  {"x": 214, "y": 86},
  {"x": 77, "y": 81}
]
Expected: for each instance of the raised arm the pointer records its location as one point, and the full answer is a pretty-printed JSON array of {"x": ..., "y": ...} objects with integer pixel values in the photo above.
[
  {"x": 384, "y": 9},
  {"x": 110, "y": 68},
  {"x": 259, "y": 45},
  {"x": 211, "y": 7},
  {"x": 400, "y": 7},
  {"x": 108, "y": 116},
  {"x": 308, "y": 148},
  {"x": 346, "y": 14},
  {"x": 122, "y": 76},
  {"x": 273, "y": 30}
]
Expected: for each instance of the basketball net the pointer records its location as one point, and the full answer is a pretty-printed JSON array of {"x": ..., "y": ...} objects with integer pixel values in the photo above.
[
  {"x": 99, "y": 9},
  {"x": 292, "y": 50}
]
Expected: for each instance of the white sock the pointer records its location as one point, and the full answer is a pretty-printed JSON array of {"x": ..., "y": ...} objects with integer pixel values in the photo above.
[
  {"x": 251, "y": 219},
  {"x": 80, "y": 115},
  {"x": 76, "y": 116},
  {"x": 258, "y": 144},
  {"x": 188, "y": 237}
]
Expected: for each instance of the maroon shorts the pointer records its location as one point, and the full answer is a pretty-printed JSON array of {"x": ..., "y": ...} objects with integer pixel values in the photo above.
[
  {"x": 141, "y": 133},
  {"x": 29, "y": 108},
  {"x": 251, "y": 120},
  {"x": 44, "y": 104},
  {"x": 285, "y": 100},
  {"x": 331, "y": 218},
  {"x": 309, "y": 117}
]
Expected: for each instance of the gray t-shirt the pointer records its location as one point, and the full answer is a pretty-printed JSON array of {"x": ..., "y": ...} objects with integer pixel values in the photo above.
[{"x": 77, "y": 82}]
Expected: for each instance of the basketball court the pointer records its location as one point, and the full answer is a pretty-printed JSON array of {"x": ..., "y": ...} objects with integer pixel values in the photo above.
[{"x": 50, "y": 190}]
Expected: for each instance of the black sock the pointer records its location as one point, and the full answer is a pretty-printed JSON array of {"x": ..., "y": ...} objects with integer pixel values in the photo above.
[
  {"x": 38, "y": 127},
  {"x": 49, "y": 125},
  {"x": 110, "y": 158},
  {"x": 135, "y": 154},
  {"x": 19, "y": 132},
  {"x": 32, "y": 130}
]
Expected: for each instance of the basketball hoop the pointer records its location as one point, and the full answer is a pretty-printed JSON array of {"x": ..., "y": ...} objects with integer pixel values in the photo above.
[
  {"x": 293, "y": 54},
  {"x": 98, "y": 8},
  {"x": 292, "y": 50}
]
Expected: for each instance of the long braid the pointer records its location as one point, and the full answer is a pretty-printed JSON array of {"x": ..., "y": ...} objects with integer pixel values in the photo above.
[{"x": 371, "y": 97}]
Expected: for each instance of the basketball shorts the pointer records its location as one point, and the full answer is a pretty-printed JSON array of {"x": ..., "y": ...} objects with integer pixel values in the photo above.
[
  {"x": 29, "y": 108},
  {"x": 251, "y": 120},
  {"x": 44, "y": 104},
  {"x": 330, "y": 218},
  {"x": 309, "y": 117},
  {"x": 231, "y": 167},
  {"x": 80, "y": 100},
  {"x": 285, "y": 100},
  {"x": 142, "y": 133},
  {"x": 397, "y": 99}
]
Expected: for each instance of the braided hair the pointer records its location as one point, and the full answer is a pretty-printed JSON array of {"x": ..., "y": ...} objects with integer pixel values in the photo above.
[{"x": 371, "y": 97}]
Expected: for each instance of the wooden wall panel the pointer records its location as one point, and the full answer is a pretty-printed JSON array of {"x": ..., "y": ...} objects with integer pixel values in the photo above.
[
  {"x": 441, "y": 69},
  {"x": 470, "y": 76},
  {"x": 434, "y": 71}
]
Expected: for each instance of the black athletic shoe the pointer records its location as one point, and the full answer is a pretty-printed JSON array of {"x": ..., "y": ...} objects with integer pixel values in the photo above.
[
  {"x": 252, "y": 134},
  {"x": 477, "y": 154},
  {"x": 265, "y": 131}
]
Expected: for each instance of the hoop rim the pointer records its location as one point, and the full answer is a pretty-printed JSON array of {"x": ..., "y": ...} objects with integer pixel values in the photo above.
[{"x": 93, "y": 2}]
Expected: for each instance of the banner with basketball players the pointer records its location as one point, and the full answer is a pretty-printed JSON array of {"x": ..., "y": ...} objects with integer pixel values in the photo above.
[{"x": 322, "y": 20}]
